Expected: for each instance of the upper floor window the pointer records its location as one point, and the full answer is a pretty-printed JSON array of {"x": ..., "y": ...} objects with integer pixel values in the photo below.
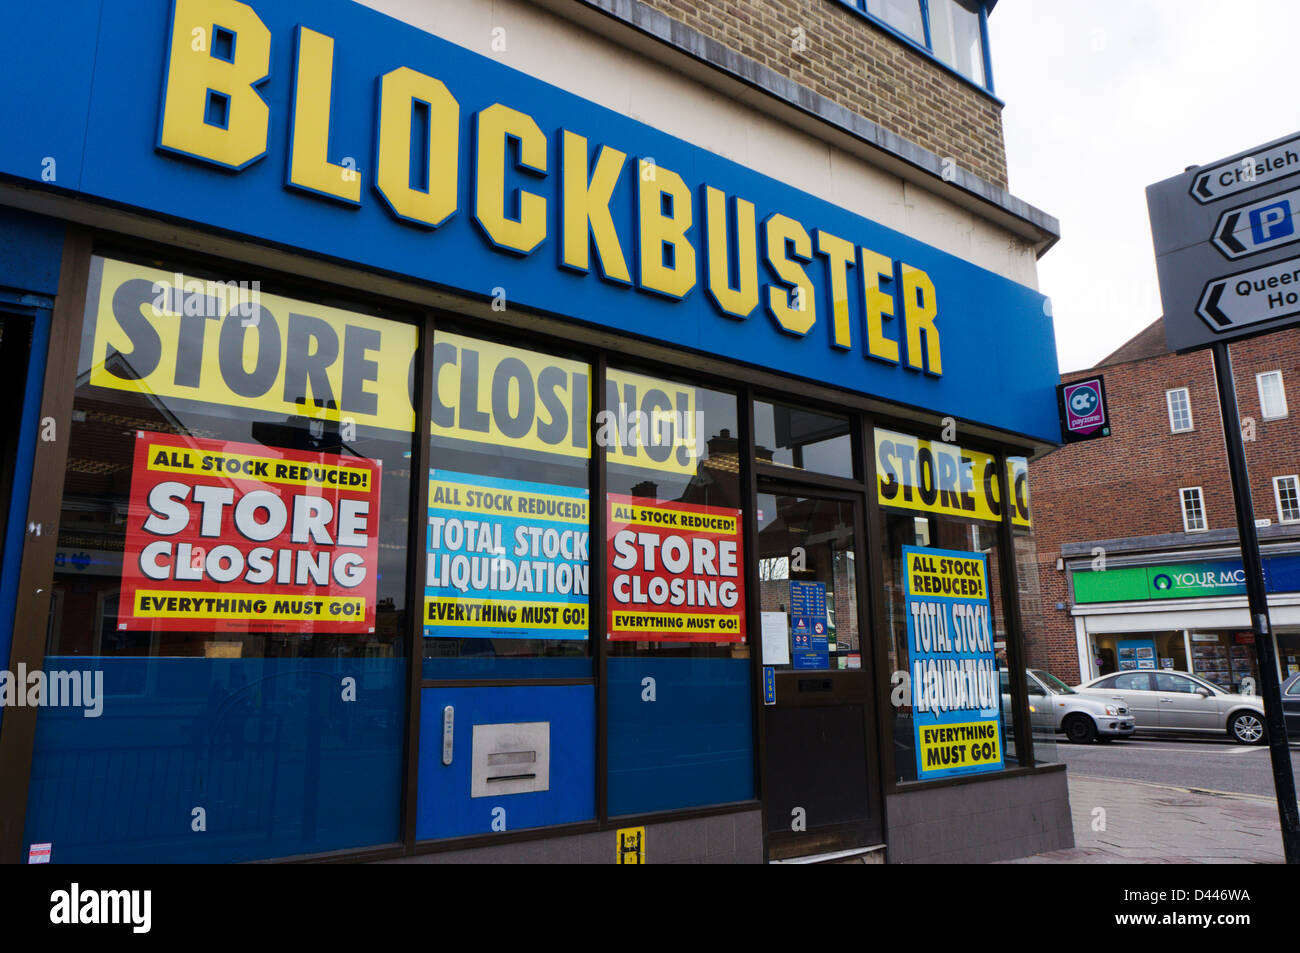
[
  {"x": 1272, "y": 396},
  {"x": 953, "y": 31},
  {"x": 1288, "y": 498},
  {"x": 955, "y": 36},
  {"x": 1180, "y": 410},
  {"x": 1193, "y": 509},
  {"x": 903, "y": 15}
]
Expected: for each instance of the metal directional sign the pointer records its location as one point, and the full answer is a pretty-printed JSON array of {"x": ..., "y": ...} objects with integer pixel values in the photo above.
[
  {"x": 1250, "y": 170},
  {"x": 1260, "y": 226},
  {"x": 1249, "y": 297},
  {"x": 1225, "y": 237}
]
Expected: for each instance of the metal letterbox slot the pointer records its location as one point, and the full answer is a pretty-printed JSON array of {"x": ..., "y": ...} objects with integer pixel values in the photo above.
[{"x": 511, "y": 759}]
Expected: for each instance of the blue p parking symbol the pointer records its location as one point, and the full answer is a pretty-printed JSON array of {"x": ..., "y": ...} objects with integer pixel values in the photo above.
[{"x": 1271, "y": 222}]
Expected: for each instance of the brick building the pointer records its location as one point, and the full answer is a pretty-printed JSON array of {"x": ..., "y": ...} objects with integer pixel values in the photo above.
[{"x": 1136, "y": 534}]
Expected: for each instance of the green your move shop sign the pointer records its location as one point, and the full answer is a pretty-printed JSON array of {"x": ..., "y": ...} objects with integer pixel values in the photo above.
[{"x": 1182, "y": 580}]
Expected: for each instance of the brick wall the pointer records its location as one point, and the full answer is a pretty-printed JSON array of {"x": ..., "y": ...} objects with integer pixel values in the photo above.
[
  {"x": 1127, "y": 484},
  {"x": 862, "y": 67}
]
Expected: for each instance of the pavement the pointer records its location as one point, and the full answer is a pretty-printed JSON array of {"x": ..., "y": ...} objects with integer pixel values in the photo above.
[{"x": 1138, "y": 822}]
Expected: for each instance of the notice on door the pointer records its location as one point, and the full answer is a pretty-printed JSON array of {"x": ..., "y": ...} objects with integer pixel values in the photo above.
[
  {"x": 224, "y": 535},
  {"x": 674, "y": 572},
  {"x": 956, "y": 691}
]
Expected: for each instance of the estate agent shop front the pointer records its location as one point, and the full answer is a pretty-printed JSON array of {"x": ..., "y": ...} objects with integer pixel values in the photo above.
[{"x": 418, "y": 461}]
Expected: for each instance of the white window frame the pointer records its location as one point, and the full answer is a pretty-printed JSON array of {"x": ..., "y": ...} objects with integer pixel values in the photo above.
[
  {"x": 1169, "y": 405},
  {"x": 1182, "y": 505},
  {"x": 1277, "y": 496},
  {"x": 1281, "y": 389}
]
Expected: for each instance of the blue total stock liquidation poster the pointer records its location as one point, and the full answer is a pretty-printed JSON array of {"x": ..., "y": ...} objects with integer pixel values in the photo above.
[
  {"x": 956, "y": 691},
  {"x": 507, "y": 559}
]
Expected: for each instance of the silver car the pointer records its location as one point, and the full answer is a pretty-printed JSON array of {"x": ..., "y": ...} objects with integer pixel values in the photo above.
[
  {"x": 1056, "y": 707},
  {"x": 1172, "y": 702}
]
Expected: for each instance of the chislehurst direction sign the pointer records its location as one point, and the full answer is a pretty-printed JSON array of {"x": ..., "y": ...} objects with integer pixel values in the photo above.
[{"x": 1225, "y": 240}]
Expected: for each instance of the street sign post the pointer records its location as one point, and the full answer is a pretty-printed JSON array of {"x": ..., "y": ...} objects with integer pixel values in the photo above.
[{"x": 1227, "y": 272}]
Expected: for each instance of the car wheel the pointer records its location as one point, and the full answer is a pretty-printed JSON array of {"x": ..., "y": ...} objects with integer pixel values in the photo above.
[
  {"x": 1246, "y": 728},
  {"x": 1080, "y": 729}
]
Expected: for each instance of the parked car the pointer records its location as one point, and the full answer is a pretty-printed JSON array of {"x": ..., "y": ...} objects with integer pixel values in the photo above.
[
  {"x": 1058, "y": 708},
  {"x": 1173, "y": 702},
  {"x": 1291, "y": 706}
]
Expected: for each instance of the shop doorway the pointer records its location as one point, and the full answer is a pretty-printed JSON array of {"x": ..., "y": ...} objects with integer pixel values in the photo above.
[{"x": 821, "y": 766}]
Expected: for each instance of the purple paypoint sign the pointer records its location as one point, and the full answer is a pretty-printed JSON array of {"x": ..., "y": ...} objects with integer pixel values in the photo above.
[{"x": 1084, "y": 409}]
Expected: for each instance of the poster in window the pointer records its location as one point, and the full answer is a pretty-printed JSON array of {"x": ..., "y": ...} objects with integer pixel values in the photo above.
[
  {"x": 674, "y": 572},
  {"x": 507, "y": 559},
  {"x": 224, "y": 535},
  {"x": 956, "y": 691}
]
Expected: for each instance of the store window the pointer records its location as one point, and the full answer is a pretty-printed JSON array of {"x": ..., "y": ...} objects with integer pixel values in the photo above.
[
  {"x": 940, "y": 507},
  {"x": 1180, "y": 410},
  {"x": 1140, "y": 650},
  {"x": 1272, "y": 395},
  {"x": 1193, "y": 509},
  {"x": 679, "y": 702},
  {"x": 1287, "y": 493},
  {"x": 508, "y": 577},
  {"x": 802, "y": 439},
  {"x": 1226, "y": 659},
  {"x": 1288, "y": 652},
  {"x": 231, "y": 568},
  {"x": 508, "y": 711}
]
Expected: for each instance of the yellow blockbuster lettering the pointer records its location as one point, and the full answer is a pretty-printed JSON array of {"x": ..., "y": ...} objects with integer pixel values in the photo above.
[
  {"x": 220, "y": 52},
  {"x": 309, "y": 165},
  {"x": 879, "y": 305},
  {"x": 585, "y": 208},
  {"x": 840, "y": 256},
  {"x": 667, "y": 258},
  {"x": 738, "y": 301},
  {"x": 919, "y": 310},
  {"x": 417, "y": 112},
  {"x": 497, "y": 125},
  {"x": 794, "y": 309}
]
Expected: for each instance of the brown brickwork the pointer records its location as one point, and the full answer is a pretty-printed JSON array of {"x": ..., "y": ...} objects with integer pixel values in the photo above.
[
  {"x": 1127, "y": 484},
  {"x": 862, "y": 67}
]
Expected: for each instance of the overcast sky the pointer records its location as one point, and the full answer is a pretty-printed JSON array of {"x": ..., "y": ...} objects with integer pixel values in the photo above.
[{"x": 1105, "y": 97}]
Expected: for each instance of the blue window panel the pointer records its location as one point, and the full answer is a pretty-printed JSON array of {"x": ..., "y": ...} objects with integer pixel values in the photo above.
[
  {"x": 692, "y": 746},
  {"x": 445, "y": 807},
  {"x": 494, "y": 666},
  {"x": 268, "y": 748}
]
